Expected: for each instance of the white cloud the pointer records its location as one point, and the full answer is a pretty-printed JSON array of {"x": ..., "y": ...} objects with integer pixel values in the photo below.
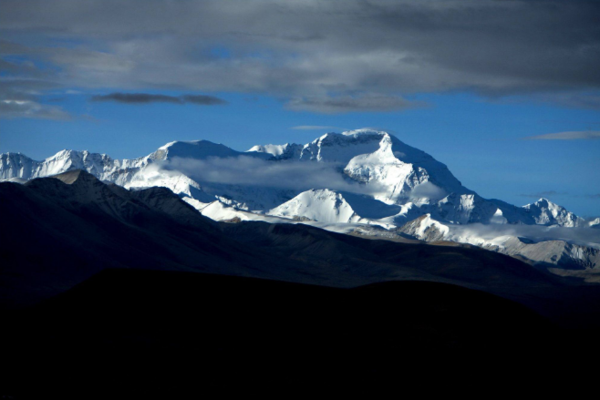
[
  {"x": 31, "y": 109},
  {"x": 428, "y": 190},
  {"x": 251, "y": 171},
  {"x": 582, "y": 236}
]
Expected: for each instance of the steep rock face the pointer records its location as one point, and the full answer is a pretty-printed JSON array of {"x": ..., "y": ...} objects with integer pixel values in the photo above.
[
  {"x": 425, "y": 228},
  {"x": 467, "y": 208}
]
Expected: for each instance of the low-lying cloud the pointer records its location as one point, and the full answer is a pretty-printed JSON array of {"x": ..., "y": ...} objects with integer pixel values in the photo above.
[
  {"x": 251, "y": 171},
  {"x": 147, "y": 98},
  {"x": 427, "y": 190},
  {"x": 537, "y": 233}
]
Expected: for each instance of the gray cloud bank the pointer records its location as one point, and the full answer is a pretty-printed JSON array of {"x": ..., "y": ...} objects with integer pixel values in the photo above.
[
  {"x": 31, "y": 109},
  {"x": 571, "y": 135},
  {"x": 330, "y": 57},
  {"x": 145, "y": 98}
]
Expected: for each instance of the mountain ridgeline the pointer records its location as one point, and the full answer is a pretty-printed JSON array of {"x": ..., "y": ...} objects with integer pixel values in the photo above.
[
  {"x": 363, "y": 178},
  {"x": 374, "y": 164}
]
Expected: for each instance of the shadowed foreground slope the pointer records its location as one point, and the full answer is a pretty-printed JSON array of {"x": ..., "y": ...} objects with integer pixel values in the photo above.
[
  {"x": 147, "y": 330},
  {"x": 133, "y": 308},
  {"x": 60, "y": 231}
]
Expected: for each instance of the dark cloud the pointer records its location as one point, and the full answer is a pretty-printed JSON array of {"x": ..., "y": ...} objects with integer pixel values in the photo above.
[
  {"x": 137, "y": 98},
  {"x": 202, "y": 99},
  {"x": 344, "y": 104},
  {"x": 146, "y": 98},
  {"x": 571, "y": 135},
  {"x": 318, "y": 54}
]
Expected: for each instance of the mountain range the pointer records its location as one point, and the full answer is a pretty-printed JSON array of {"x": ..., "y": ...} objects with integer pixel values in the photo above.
[
  {"x": 137, "y": 289},
  {"x": 362, "y": 182}
]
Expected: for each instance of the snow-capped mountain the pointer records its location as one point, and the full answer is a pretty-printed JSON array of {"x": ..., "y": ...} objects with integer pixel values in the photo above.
[
  {"x": 402, "y": 182},
  {"x": 545, "y": 212},
  {"x": 564, "y": 251},
  {"x": 369, "y": 163},
  {"x": 355, "y": 177}
]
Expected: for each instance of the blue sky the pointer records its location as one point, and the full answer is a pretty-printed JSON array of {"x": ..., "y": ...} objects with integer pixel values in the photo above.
[{"x": 478, "y": 85}]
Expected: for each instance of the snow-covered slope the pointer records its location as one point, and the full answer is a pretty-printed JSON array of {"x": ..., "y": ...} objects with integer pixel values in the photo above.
[
  {"x": 321, "y": 205},
  {"x": 279, "y": 151}
]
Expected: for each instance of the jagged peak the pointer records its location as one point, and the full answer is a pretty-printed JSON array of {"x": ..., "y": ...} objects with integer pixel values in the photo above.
[
  {"x": 190, "y": 143},
  {"x": 543, "y": 202},
  {"x": 276, "y": 150},
  {"x": 10, "y": 154}
]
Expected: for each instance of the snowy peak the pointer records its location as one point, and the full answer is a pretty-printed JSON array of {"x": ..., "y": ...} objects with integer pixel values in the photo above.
[
  {"x": 279, "y": 151},
  {"x": 16, "y": 165},
  {"x": 322, "y": 205},
  {"x": 545, "y": 212},
  {"x": 342, "y": 147},
  {"x": 198, "y": 149}
]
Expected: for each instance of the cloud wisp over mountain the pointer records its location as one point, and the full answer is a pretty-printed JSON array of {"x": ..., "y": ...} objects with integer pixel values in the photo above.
[
  {"x": 251, "y": 171},
  {"x": 582, "y": 236},
  {"x": 146, "y": 98},
  {"x": 330, "y": 57}
]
